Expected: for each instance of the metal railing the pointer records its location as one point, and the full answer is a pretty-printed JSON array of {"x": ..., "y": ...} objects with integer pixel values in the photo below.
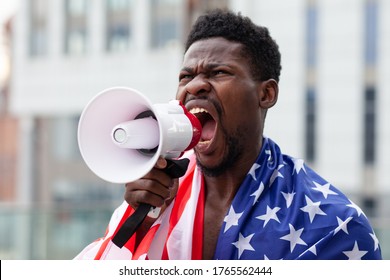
[{"x": 60, "y": 233}]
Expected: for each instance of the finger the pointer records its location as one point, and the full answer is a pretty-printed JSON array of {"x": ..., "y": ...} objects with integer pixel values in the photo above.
[
  {"x": 158, "y": 176},
  {"x": 154, "y": 187},
  {"x": 161, "y": 163},
  {"x": 173, "y": 191},
  {"x": 146, "y": 191},
  {"x": 134, "y": 199}
]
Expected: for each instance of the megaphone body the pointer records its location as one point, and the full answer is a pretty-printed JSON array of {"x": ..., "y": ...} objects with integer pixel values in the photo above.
[{"x": 121, "y": 134}]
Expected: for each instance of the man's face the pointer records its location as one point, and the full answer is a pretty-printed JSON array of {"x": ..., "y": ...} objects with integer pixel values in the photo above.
[{"x": 215, "y": 84}]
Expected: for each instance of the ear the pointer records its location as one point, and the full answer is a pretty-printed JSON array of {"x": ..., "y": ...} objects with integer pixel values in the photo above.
[{"x": 268, "y": 93}]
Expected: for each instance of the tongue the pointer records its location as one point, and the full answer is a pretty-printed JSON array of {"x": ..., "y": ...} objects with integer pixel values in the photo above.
[{"x": 208, "y": 130}]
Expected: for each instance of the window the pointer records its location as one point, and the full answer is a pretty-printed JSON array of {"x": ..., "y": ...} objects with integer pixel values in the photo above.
[
  {"x": 311, "y": 34},
  {"x": 118, "y": 32},
  {"x": 370, "y": 90},
  {"x": 64, "y": 138},
  {"x": 310, "y": 121},
  {"x": 371, "y": 32},
  {"x": 38, "y": 28},
  {"x": 75, "y": 26},
  {"x": 369, "y": 125},
  {"x": 311, "y": 67},
  {"x": 165, "y": 25}
]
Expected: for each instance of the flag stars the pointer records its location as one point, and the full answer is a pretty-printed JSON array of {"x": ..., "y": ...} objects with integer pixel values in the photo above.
[
  {"x": 258, "y": 192},
  {"x": 312, "y": 208},
  {"x": 355, "y": 253},
  {"x": 289, "y": 197},
  {"x": 276, "y": 174},
  {"x": 268, "y": 152},
  {"x": 253, "y": 169},
  {"x": 357, "y": 208},
  {"x": 270, "y": 214},
  {"x": 294, "y": 237},
  {"x": 231, "y": 219},
  {"x": 243, "y": 244},
  {"x": 376, "y": 241},
  {"x": 342, "y": 225},
  {"x": 313, "y": 249},
  {"x": 324, "y": 189},
  {"x": 299, "y": 164}
]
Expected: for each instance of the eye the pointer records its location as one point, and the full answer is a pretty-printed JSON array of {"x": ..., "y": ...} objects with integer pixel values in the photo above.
[
  {"x": 185, "y": 76},
  {"x": 219, "y": 72}
]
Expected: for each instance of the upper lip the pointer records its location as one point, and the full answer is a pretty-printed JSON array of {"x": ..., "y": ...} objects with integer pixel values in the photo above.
[{"x": 197, "y": 106}]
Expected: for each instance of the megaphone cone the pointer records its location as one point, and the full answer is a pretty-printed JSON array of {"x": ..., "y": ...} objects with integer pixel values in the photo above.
[{"x": 121, "y": 134}]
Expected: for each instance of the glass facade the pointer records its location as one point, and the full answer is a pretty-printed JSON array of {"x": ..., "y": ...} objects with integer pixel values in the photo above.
[
  {"x": 370, "y": 89},
  {"x": 76, "y": 30},
  {"x": 165, "y": 22},
  {"x": 38, "y": 41},
  {"x": 70, "y": 206},
  {"x": 310, "y": 120},
  {"x": 118, "y": 25}
]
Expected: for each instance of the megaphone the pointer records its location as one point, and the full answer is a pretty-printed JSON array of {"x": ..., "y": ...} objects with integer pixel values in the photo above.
[{"x": 121, "y": 134}]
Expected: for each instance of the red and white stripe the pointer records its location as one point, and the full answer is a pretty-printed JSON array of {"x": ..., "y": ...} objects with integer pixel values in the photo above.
[{"x": 177, "y": 234}]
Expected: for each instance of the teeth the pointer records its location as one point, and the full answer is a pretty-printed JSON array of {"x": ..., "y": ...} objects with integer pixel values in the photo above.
[{"x": 198, "y": 110}]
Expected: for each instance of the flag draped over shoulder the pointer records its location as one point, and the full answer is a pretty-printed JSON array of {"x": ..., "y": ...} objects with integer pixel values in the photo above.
[{"x": 282, "y": 210}]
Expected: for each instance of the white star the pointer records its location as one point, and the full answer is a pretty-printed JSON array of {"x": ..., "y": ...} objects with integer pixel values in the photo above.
[
  {"x": 268, "y": 152},
  {"x": 313, "y": 249},
  {"x": 312, "y": 208},
  {"x": 289, "y": 198},
  {"x": 355, "y": 254},
  {"x": 376, "y": 241},
  {"x": 342, "y": 225},
  {"x": 299, "y": 164},
  {"x": 253, "y": 169},
  {"x": 276, "y": 174},
  {"x": 324, "y": 189},
  {"x": 258, "y": 192},
  {"x": 294, "y": 237},
  {"x": 243, "y": 244},
  {"x": 231, "y": 219},
  {"x": 266, "y": 258},
  {"x": 270, "y": 214},
  {"x": 357, "y": 208}
]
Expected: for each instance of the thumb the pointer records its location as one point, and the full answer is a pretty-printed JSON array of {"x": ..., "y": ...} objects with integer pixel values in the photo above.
[{"x": 161, "y": 163}]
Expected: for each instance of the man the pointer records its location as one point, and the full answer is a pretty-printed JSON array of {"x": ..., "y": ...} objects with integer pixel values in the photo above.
[{"x": 241, "y": 198}]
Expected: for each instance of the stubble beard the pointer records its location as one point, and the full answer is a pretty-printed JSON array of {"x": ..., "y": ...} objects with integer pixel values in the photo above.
[{"x": 234, "y": 151}]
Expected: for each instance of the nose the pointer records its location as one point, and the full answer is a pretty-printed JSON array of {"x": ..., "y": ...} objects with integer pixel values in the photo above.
[{"x": 199, "y": 85}]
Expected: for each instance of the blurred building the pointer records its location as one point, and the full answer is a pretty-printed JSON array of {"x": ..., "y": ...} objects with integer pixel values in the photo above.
[
  {"x": 331, "y": 109},
  {"x": 8, "y": 127}
]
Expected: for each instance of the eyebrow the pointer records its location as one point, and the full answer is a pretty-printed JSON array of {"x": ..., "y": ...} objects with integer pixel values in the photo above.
[{"x": 208, "y": 66}]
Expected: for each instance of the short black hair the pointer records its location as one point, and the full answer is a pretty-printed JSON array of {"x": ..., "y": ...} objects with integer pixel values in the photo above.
[{"x": 259, "y": 47}]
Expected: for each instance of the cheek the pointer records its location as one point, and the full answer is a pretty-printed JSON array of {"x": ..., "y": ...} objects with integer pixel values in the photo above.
[
  {"x": 180, "y": 95},
  {"x": 242, "y": 109}
]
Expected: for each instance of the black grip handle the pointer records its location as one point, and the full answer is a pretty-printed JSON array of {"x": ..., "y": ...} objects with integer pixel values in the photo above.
[{"x": 175, "y": 169}]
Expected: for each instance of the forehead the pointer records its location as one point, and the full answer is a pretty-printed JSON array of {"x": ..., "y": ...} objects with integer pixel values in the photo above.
[{"x": 214, "y": 50}]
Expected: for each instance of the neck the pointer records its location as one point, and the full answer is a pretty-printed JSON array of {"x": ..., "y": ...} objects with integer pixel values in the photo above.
[{"x": 224, "y": 186}]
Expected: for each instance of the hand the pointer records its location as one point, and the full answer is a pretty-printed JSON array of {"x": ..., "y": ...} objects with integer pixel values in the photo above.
[{"x": 155, "y": 188}]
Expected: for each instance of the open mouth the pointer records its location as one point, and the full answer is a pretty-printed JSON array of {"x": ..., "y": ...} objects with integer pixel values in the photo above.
[{"x": 208, "y": 124}]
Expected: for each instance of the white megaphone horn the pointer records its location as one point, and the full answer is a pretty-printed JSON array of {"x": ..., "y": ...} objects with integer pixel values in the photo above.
[{"x": 121, "y": 134}]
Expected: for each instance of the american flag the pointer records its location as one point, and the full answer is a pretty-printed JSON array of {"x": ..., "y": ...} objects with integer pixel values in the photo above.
[{"x": 282, "y": 211}]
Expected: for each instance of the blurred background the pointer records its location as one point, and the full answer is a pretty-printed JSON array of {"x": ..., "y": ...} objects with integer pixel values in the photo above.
[{"x": 55, "y": 55}]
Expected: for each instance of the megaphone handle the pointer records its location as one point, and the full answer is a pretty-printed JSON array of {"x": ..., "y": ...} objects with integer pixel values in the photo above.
[
  {"x": 131, "y": 225},
  {"x": 175, "y": 168}
]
